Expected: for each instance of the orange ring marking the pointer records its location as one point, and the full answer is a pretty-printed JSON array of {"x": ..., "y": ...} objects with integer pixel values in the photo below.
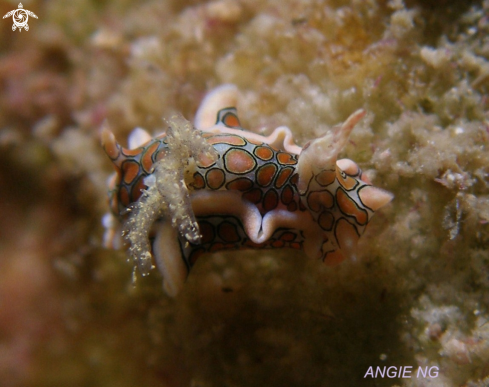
[
  {"x": 199, "y": 182},
  {"x": 130, "y": 170},
  {"x": 124, "y": 196},
  {"x": 349, "y": 207},
  {"x": 239, "y": 161},
  {"x": 207, "y": 232},
  {"x": 285, "y": 158},
  {"x": 282, "y": 176},
  {"x": 265, "y": 174},
  {"x": 229, "y": 139},
  {"x": 254, "y": 196},
  {"x": 131, "y": 152},
  {"x": 294, "y": 179},
  {"x": 215, "y": 178},
  {"x": 292, "y": 207},
  {"x": 270, "y": 200},
  {"x": 278, "y": 244},
  {"x": 325, "y": 177},
  {"x": 240, "y": 184},
  {"x": 346, "y": 182},
  {"x": 203, "y": 161},
  {"x": 326, "y": 220},
  {"x": 318, "y": 200},
  {"x": 146, "y": 160},
  {"x": 228, "y": 232},
  {"x": 288, "y": 236},
  {"x": 231, "y": 120},
  {"x": 263, "y": 152},
  {"x": 137, "y": 188},
  {"x": 287, "y": 195},
  {"x": 296, "y": 245}
]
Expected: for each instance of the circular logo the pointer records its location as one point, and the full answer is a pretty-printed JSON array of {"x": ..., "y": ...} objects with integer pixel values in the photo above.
[{"x": 20, "y": 17}]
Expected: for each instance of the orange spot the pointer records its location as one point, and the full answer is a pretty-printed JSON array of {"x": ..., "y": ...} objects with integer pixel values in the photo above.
[
  {"x": 226, "y": 139},
  {"x": 239, "y": 161},
  {"x": 325, "y": 177},
  {"x": 283, "y": 176},
  {"x": 288, "y": 236},
  {"x": 214, "y": 178},
  {"x": 286, "y": 158},
  {"x": 137, "y": 188},
  {"x": 130, "y": 170},
  {"x": 349, "y": 207},
  {"x": 124, "y": 196},
  {"x": 240, "y": 184},
  {"x": 318, "y": 200},
  {"x": 287, "y": 195},
  {"x": 254, "y": 196},
  {"x": 346, "y": 181},
  {"x": 207, "y": 232},
  {"x": 231, "y": 120},
  {"x": 228, "y": 232},
  {"x": 147, "y": 160},
  {"x": 278, "y": 244},
  {"x": 270, "y": 200},
  {"x": 263, "y": 152},
  {"x": 292, "y": 207},
  {"x": 265, "y": 174},
  {"x": 296, "y": 245},
  {"x": 132, "y": 152},
  {"x": 198, "y": 182},
  {"x": 294, "y": 179},
  {"x": 204, "y": 162},
  {"x": 326, "y": 220},
  {"x": 160, "y": 153}
]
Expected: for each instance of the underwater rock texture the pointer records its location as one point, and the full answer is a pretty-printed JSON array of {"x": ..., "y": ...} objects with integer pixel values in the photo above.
[{"x": 417, "y": 296}]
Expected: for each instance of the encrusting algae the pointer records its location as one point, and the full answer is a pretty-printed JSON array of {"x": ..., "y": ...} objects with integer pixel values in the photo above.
[{"x": 166, "y": 193}]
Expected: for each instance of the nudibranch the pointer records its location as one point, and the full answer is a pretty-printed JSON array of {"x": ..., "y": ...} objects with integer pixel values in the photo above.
[{"x": 215, "y": 186}]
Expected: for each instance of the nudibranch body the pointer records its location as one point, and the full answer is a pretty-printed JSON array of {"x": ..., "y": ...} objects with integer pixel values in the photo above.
[{"x": 191, "y": 191}]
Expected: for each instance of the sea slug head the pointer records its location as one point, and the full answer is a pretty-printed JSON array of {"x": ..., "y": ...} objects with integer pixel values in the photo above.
[
  {"x": 125, "y": 185},
  {"x": 318, "y": 157},
  {"x": 114, "y": 151},
  {"x": 339, "y": 198}
]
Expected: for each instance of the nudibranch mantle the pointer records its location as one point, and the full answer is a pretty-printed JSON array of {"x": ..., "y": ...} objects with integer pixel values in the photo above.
[{"x": 215, "y": 186}]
